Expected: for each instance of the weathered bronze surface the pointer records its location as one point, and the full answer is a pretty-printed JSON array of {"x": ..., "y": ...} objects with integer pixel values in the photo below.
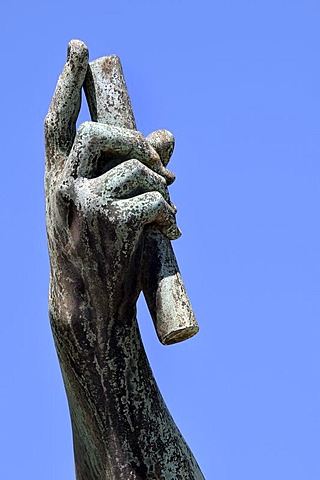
[{"x": 109, "y": 224}]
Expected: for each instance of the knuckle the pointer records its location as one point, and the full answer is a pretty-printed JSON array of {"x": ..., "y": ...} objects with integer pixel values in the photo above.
[
  {"x": 84, "y": 128},
  {"x": 162, "y": 181},
  {"x": 136, "y": 166},
  {"x": 157, "y": 199}
]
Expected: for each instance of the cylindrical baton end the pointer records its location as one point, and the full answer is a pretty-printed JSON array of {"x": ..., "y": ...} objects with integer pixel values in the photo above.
[
  {"x": 174, "y": 318},
  {"x": 164, "y": 291},
  {"x": 107, "y": 94}
]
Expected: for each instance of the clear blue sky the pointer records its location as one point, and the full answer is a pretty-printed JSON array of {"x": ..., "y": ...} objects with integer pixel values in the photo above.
[{"x": 238, "y": 83}]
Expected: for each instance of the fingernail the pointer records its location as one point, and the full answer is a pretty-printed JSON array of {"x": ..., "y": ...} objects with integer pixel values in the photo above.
[{"x": 173, "y": 232}]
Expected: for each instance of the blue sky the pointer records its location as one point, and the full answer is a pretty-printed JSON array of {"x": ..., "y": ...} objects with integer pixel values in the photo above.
[{"x": 238, "y": 83}]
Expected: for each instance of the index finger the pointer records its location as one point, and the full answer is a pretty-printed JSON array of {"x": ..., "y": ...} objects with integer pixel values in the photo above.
[{"x": 60, "y": 122}]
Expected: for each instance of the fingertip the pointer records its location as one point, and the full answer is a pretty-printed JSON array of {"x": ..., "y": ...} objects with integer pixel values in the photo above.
[
  {"x": 163, "y": 142},
  {"x": 169, "y": 176},
  {"x": 173, "y": 232},
  {"x": 77, "y": 49},
  {"x": 155, "y": 163}
]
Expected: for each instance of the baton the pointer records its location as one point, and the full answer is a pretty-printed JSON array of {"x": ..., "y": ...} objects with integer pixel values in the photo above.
[{"x": 162, "y": 285}]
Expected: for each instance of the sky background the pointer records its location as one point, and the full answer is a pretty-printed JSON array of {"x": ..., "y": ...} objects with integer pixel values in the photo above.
[{"x": 238, "y": 83}]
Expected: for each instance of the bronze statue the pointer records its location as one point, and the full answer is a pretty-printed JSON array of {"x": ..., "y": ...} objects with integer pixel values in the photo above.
[{"x": 109, "y": 224}]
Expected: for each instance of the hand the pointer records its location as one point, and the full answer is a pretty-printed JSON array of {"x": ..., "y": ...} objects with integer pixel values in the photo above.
[{"x": 103, "y": 185}]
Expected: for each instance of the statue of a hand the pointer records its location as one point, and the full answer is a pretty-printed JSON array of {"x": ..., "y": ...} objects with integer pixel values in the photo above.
[
  {"x": 104, "y": 184},
  {"x": 102, "y": 189}
]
